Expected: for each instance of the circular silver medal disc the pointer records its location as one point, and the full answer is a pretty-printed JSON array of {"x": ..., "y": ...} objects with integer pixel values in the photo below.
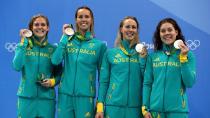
[
  {"x": 69, "y": 31},
  {"x": 177, "y": 42},
  {"x": 27, "y": 33},
  {"x": 139, "y": 47}
]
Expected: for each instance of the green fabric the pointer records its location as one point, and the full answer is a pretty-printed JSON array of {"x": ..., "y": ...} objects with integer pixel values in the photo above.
[
  {"x": 81, "y": 61},
  {"x": 37, "y": 42},
  {"x": 166, "y": 80},
  {"x": 122, "y": 112},
  {"x": 33, "y": 62},
  {"x": 169, "y": 115},
  {"x": 35, "y": 107},
  {"x": 77, "y": 36},
  {"x": 121, "y": 77},
  {"x": 25, "y": 42},
  {"x": 75, "y": 107},
  {"x": 30, "y": 42},
  {"x": 64, "y": 39},
  {"x": 87, "y": 36}
]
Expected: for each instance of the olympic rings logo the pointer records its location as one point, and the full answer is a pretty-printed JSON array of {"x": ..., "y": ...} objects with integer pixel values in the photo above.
[
  {"x": 193, "y": 44},
  {"x": 10, "y": 47}
]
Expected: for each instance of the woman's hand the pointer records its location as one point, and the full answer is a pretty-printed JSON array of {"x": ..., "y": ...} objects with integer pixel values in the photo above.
[
  {"x": 148, "y": 115},
  {"x": 64, "y": 27},
  {"x": 184, "y": 49},
  {"x": 46, "y": 83},
  {"x": 99, "y": 115},
  {"x": 143, "y": 53}
]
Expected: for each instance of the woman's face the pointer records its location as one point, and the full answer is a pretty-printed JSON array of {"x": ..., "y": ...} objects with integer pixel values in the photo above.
[
  {"x": 40, "y": 28},
  {"x": 168, "y": 33},
  {"x": 129, "y": 29},
  {"x": 84, "y": 20}
]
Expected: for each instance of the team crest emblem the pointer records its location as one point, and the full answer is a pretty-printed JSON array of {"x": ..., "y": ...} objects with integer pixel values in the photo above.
[
  {"x": 118, "y": 55},
  {"x": 91, "y": 45},
  {"x": 70, "y": 44},
  {"x": 157, "y": 59}
]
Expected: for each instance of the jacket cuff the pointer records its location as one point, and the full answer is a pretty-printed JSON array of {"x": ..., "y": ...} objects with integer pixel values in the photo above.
[
  {"x": 52, "y": 82},
  {"x": 64, "y": 40},
  {"x": 183, "y": 58},
  {"x": 100, "y": 107},
  {"x": 144, "y": 110}
]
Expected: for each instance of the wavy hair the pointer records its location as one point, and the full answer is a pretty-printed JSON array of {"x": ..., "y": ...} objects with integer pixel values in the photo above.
[{"x": 158, "y": 44}]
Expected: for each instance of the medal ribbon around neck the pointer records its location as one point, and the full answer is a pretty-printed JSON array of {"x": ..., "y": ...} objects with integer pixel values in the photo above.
[
  {"x": 126, "y": 52},
  {"x": 30, "y": 43},
  {"x": 42, "y": 44},
  {"x": 81, "y": 37},
  {"x": 170, "y": 52}
]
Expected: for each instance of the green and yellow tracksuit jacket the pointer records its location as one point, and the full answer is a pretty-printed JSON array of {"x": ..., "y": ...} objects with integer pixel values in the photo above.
[
  {"x": 121, "y": 78},
  {"x": 82, "y": 58},
  {"x": 166, "y": 78},
  {"x": 33, "y": 59}
]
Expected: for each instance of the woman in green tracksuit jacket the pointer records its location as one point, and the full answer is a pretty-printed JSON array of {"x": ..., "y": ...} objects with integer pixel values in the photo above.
[
  {"x": 36, "y": 94},
  {"x": 121, "y": 76},
  {"x": 82, "y": 54},
  {"x": 169, "y": 71}
]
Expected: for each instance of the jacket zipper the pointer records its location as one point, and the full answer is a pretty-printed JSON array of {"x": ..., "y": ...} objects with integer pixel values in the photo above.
[
  {"x": 128, "y": 79},
  {"x": 165, "y": 83},
  {"x": 76, "y": 68},
  {"x": 38, "y": 70}
]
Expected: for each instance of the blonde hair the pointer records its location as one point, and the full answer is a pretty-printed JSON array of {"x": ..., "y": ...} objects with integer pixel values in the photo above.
[{"x": 119, "y": 38}]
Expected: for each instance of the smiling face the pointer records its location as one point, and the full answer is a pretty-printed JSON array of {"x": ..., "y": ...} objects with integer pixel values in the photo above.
[
  {"x": 168, "y": 33},
  {"x": 129, "y": 29},
  {"x": 40, "y": 28},
  {"x": 84, "y": 20}
]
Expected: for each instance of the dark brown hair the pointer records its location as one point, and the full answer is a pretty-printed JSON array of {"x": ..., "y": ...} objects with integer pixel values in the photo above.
[
  {"x": 158, "y": 44},
  {"x": 91, "y": 14}
]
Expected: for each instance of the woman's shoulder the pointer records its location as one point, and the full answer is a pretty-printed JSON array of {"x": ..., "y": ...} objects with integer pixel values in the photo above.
[
  {"x": 112, "y": 50},
  {"x": 97, "y": 42}
]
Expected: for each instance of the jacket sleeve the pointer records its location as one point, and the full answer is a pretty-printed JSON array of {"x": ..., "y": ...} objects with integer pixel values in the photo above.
[
  {"x": 19, "y": 59},
  {"x": 142, "y": 64},
  {"x": 148, "y": 81},
  {"x": 59, "y": 53},
  {"x": 102, "y": 51},
  {"x": 188, "y": 71},
  {"x": 104, "y": 79}
]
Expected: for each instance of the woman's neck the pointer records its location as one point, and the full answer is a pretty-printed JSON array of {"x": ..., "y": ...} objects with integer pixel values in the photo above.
[
  {"x": 40, "y": 39},
  {"x": 83, "y": 32}
]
